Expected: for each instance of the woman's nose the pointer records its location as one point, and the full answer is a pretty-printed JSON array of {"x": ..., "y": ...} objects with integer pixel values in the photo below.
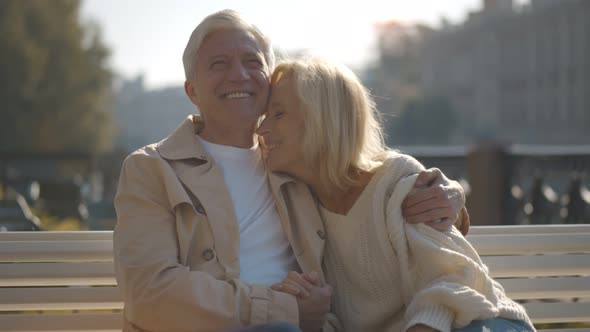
[{"x": 263, "y": 128}]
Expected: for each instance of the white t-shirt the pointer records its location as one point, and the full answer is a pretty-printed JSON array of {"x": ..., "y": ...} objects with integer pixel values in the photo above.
[{"x": 265, "y": 253}]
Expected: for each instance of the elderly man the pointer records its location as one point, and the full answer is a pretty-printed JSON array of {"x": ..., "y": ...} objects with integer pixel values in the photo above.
[{"x": 203, "y": 231}]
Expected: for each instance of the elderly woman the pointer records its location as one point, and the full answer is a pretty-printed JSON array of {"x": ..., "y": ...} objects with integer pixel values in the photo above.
[{"x": 388, "y": 275}]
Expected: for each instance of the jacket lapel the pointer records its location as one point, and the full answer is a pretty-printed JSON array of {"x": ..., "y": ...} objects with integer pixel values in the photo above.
[
  {"x": 300, "y": 220},
  {"x": 204, "y": 181}
]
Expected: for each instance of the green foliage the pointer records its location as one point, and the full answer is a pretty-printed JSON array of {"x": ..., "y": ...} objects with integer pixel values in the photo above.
[
  {"x": 427, "y": 120},
  {"x": 55, "y": 87}
]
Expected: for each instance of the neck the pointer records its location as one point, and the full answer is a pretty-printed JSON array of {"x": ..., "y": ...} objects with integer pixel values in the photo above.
[
  {"x": 333, "y": 198},
  {"x": 242, "y": 137}
]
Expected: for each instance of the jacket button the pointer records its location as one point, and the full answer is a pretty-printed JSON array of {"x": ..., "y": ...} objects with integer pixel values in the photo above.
[
  {"x": 321, "y": 234},
  {"x": 200, "y": 209},
  {"x": 208, "y": 254}
]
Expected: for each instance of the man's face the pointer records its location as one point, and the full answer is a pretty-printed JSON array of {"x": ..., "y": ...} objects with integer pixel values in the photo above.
[{"x": 231, "y": 82}]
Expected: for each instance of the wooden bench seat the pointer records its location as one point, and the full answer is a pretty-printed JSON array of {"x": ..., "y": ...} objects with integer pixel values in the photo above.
[{"x": 64, "y": 281}]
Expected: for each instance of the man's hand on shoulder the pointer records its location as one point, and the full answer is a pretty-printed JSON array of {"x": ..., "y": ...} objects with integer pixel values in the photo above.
[{"x": 436, "y": 201}]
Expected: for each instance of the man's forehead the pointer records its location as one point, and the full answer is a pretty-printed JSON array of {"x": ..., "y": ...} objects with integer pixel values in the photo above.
[{"x": 229, "y": 41}]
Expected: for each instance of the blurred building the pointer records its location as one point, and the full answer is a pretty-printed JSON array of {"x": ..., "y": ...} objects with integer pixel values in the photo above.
[
  {"x": 518, "y": 75},
  {"x": 145, "y": 116}
]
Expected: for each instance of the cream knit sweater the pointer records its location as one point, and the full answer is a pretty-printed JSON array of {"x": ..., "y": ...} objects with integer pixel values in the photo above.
[{"x": 389, "y": 275}]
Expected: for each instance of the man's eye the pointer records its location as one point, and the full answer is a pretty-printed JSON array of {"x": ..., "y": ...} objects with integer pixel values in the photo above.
[
  {"x": 218, "y": 64},
  {"x": 279, "y": 114},
  {"x": 255, "y": 63}
]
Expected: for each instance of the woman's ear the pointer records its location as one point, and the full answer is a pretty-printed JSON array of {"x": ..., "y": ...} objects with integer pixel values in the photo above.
[{"x": 190, "y": 92}]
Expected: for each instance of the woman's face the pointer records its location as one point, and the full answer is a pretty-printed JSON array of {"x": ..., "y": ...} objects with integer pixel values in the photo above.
[{"x": 283, "y": 128}]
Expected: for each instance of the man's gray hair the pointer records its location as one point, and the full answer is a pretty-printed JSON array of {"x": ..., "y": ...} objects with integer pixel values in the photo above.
[{"x": 226, "y": 19}]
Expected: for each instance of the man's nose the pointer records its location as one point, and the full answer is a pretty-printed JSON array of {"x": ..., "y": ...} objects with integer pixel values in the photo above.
[{"x": 239, "y": 72}]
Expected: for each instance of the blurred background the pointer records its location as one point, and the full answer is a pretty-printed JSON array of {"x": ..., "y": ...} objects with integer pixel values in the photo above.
[{"x": 496, "y": 93}]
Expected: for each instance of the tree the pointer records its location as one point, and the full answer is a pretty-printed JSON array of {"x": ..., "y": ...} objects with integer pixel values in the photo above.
[
  {"x": 425, "y": 120},
  {"x": 55, "y": 87}
]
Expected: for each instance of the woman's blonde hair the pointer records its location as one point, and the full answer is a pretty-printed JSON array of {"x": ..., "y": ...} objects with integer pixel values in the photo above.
[
  {"x": 226, "y": 19},
  {"x": 342, "y": 133}
]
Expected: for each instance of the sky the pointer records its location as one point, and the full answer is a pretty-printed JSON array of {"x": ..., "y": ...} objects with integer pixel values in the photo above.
[{"x": 148, "y": 36}]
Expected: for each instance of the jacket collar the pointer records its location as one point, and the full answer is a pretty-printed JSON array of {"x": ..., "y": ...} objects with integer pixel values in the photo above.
[
  {"x": 277, "y": 180},
  {"x": 182, "y": 142}
]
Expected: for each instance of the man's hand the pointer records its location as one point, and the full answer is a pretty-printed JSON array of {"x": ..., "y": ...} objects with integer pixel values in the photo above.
[
  {"x": 298, "y": 284},
  {"x": 435, "y": 200},
  {"x": 313, "y": 299}
]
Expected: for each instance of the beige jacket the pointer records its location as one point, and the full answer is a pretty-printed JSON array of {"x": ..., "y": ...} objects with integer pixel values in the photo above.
[{"x": 176, "y": 241}]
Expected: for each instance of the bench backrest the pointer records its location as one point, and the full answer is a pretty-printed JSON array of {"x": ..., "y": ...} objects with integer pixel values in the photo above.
[{"x": 546, "y": 267}]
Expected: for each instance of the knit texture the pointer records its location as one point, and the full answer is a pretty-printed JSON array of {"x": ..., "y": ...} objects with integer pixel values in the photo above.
[{"x": 389, "y": 275}]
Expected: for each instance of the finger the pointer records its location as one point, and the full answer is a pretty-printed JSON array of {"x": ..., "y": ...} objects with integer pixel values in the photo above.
[
  {"x": 312, "y": 277},
  {"x": 463, "y": 218},
  {"x": 442, "y": 225},
  {"x": 431, "y": 215},
  {"x": 425, "y": 206},
  {"x": 286, "y": 288},
  {"x": 298, "y": 278},
  {"x": 302, "y": 292},
  {"x": 427, "y": 177},
  {"x": 417, "y": 196}
]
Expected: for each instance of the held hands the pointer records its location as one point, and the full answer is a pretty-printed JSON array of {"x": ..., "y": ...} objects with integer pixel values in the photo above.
[
  {"x": 313, "y": 299},
  {"x": 435, "y": 200}
]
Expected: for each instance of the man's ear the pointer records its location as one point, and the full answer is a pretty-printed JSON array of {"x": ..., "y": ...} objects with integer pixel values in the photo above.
[{"x": 190, "y": 92}]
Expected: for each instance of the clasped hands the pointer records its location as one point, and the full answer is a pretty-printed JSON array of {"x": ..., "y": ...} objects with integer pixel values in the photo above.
[{"x": 313, "y": 298}]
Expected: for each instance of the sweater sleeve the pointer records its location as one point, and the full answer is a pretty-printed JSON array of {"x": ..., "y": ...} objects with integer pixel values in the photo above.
[{"x": 445, "y": 283}]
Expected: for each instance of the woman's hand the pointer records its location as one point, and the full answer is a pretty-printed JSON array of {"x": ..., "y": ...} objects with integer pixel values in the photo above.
[{"x": 298, "y": 284}]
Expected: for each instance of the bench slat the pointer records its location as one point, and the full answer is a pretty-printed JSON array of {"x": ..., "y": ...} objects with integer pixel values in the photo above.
[
  {"x": 56, "y": 274},
  {"x": 56, "y": 251},
  {"x": 538, "y": 265},
  {"x": 97, "y": 322},
  {"x": 529, "y": 229},
  {"x": 526, "y": 244},
  {"x": 60, "y": 298},
  {"x": 558, "y": 312},
  {"x": 546, "y": 288},
  {"x": 57, "y": 236}
]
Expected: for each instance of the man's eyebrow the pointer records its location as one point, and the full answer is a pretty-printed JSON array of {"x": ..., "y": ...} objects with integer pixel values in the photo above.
[
  {"x": 217, "y": 56},
  {"x": 255, "y": 54}
]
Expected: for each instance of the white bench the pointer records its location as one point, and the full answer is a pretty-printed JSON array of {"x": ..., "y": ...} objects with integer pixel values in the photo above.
[{"x": 64, "y": 281}]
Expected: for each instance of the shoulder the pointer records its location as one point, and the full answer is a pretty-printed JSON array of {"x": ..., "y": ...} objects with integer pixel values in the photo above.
[
  {"x": 402, "y": 162},
  {"x": 145, "y": 158},
  {"x": 396, "y": 166},
  {"x": 144, "y": 170}
]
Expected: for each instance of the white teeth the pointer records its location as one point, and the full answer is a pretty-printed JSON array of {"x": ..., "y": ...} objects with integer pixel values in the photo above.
[{"x": 233, "y": 95}]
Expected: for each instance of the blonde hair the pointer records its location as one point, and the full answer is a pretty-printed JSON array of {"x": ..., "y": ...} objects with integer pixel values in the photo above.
[
  {"x": 342, "y": 133},
  {"x": 226, "y": 19}
]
